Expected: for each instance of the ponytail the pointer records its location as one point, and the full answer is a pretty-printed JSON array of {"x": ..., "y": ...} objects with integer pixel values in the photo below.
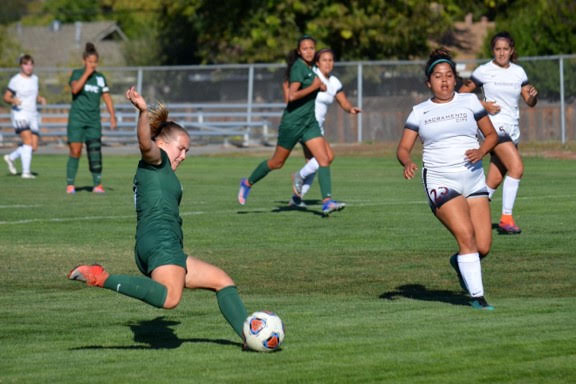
[
  {"x": 160, "y": 126},
  {"x": 89, "y": 50}
]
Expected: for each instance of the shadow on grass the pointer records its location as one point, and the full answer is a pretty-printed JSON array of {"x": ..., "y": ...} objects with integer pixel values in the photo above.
[
  {"x": 287, "y": 208},
  {"x": 157, "y": 334},
  {"x": 420, "y": 292}
]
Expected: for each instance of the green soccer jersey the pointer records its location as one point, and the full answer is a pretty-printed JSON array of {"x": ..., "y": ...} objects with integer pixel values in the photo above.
[
  {"x": 157, "y": 195},
  {"x": 86, "y": 103},
  {"x": 301, "y": 110}
]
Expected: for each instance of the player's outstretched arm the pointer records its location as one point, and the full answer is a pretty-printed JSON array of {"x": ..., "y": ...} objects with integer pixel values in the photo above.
[
  {"x": 148, "y": 148},
  {"x": 346, "y": 105}
]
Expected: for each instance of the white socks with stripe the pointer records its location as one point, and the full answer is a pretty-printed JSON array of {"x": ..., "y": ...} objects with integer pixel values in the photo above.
[
  {"x": 471, "y": 271},
  {"x": 509, "y": 191}
]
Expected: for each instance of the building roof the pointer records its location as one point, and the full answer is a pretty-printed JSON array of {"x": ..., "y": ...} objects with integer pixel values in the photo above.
[{"x": 61, "y": 45}]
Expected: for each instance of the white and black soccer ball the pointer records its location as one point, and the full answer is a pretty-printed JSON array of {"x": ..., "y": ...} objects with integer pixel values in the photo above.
[{"x": 263, "y": 331}]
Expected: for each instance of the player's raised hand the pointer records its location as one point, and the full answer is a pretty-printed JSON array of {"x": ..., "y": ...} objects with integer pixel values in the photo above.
[{"x": 136, "y": 99}]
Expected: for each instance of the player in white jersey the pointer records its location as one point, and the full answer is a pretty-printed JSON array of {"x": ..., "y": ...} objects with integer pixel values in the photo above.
[
  {"x": 503, "y": 82},
  {"x": 303, "y": 179},
  {"x": 22, "y": 95},
  {"x": 452, "y": 172}
]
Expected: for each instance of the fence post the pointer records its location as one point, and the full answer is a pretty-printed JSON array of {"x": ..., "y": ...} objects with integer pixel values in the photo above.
[
  {"x": 139, "y": 81},
  {"x": 249, "y": 103},
  {"x": 562, "y": 106},
  {"x": 360, "y": 99}
]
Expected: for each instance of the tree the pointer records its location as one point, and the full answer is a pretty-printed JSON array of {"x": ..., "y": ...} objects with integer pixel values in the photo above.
[{"x": 542, "y": 28}]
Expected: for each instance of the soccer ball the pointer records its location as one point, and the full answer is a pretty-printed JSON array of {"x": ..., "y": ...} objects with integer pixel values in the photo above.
[{"x": 263, "y": 331}]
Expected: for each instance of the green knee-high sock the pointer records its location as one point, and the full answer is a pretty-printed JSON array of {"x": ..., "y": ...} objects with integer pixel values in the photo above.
[
  {"x": 96, "y": 178},
  {"x": 71, "y": 169},
  {"x": 138, "y": 287},
  {"x": 232, "y": 307},
  {"x": 259, "y": 173},
  {"x": 325, "y": 181}
]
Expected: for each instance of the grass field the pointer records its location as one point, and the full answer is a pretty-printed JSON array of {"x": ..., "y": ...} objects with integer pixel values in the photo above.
[{"x": 367, "y": 295}]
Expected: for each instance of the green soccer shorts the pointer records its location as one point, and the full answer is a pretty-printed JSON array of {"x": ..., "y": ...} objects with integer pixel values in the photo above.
[
  {"x": 152, "y": 252},
  {"x": 82, "y": 132},
  {"x": 290, "y": 134}
]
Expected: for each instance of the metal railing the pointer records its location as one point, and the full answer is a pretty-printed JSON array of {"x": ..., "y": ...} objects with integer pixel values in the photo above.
[{"x": 247, "y": 101}]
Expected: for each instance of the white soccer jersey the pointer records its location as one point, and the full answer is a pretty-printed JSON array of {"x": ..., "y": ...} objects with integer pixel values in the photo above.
[
  {"x": 324, "y": 99},
  {"x": 447, "y": 131},
  {"x": 502, "y": 85},
  {"x": 26, "y": 89}
]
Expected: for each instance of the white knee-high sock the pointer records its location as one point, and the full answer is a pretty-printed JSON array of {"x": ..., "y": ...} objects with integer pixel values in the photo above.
[
  {"x": 26, "y": 158},
  {"x": 509, "y": 191},
  {"x": 471, "y": 270},
  {"x": 15, "y": 153},
  {"x": 310, "y": 168},
  {"x": 307, "y": 184},
  {"x": 490, "y": 192}
]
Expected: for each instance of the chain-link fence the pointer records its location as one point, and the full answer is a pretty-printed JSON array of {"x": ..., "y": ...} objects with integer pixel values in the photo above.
[{"x": 247, "y": 100}]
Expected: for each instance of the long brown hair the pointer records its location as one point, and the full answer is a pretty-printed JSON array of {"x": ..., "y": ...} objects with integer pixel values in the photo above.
[{"x": 293, "y": 55}]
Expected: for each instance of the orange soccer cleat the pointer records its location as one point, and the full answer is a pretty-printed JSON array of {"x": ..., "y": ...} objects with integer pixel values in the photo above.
[{"x": 93, "y": 275}]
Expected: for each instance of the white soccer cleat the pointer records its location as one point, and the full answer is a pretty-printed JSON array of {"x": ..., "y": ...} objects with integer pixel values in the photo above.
[
  {"x": 28, "y": 176},
  {"x": 10, "y": 163}
]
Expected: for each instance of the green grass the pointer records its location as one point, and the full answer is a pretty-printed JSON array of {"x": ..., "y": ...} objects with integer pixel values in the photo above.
[{"x": 367, "y": 295}]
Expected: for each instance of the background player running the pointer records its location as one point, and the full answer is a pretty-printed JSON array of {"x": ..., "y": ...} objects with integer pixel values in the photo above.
[
  {"x": 303, "y": 179},
  {"x": 84, "y": 121},
  {"x": 159, "y": 255},
  {"x": 299, "y": 124},
  {"x": 22, "y": 95},
  {"x": 503, "y": 82},
  {"x": 452, "y": 173}
]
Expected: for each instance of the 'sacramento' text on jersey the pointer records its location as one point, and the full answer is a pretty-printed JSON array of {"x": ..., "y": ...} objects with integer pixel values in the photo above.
[
  {"x": 447, "y": 131},
  {"x": 503, "y": 86}
]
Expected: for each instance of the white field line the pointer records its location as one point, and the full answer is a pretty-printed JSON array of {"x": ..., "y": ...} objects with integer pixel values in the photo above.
[
  {"x": 352, "y": 203},
  {"x": 19, "y": 206}
]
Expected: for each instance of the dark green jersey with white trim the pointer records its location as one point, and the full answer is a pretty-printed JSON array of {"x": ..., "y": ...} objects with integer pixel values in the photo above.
[{"x": 86, "y": 103}]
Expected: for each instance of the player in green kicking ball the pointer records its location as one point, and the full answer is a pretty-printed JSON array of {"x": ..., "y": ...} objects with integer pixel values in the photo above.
[{"x": 159, "y": 239}]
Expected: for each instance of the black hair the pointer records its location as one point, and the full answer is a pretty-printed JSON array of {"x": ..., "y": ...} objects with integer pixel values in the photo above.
[
  {"x": 440, "y": 55},
  {"x": 293, "y": 55},
  {"x": 321, "y": 52},
  {"x": 89, "y": 50},
  {"x": 26, "y": 58},
  {"x": 508, "y": 37}
]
